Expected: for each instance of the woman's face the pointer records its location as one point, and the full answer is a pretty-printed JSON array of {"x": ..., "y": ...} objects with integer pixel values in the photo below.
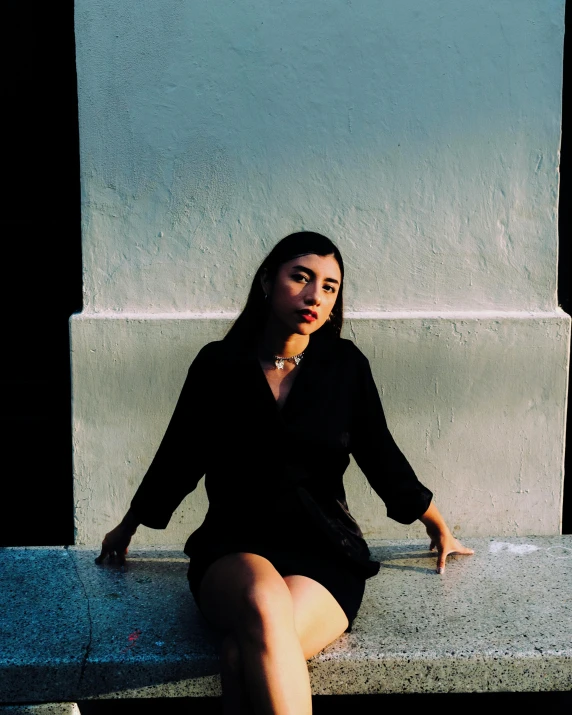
[{"x": 304, "y": 292}]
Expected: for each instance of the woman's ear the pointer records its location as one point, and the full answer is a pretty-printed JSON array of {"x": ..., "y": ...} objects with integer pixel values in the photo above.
[{"x": 265, "y": 282}]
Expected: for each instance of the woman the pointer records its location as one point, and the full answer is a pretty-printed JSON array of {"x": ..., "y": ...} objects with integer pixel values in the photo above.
[{"x": 271, "y": 414}]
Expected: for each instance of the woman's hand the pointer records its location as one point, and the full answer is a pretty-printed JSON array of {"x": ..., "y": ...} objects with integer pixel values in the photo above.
[
  {"x": 116, "y": 542},
  {"x": 441, "y": 537}
]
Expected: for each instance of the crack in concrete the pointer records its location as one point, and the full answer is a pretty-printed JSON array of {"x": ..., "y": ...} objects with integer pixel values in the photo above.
[{"x": 88, "y": 646}]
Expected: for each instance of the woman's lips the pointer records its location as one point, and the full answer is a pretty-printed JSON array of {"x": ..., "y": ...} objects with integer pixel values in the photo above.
[{"x": 308, "y": 315}]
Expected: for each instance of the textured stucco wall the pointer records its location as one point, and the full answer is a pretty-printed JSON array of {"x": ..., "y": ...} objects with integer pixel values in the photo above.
[
  {"x": 474, "y": 402},
  {"x": 422, "y": 136}
]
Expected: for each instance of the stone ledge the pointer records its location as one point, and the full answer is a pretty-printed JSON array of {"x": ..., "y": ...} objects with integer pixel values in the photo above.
[
  {"x": 43, "y": 709},
  {"x": 226, "y": 317},
  {"x": 497, "y": 621}
]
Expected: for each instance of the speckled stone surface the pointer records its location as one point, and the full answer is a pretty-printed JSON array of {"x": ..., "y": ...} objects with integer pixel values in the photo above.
[
  {"x": 42, "y": 709},
  {"x": 497, "y": 621},
  {"x": 44, "y": 624}
]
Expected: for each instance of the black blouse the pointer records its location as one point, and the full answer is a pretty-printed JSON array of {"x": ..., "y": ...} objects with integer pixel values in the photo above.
[{"x": 266, "y": 467}]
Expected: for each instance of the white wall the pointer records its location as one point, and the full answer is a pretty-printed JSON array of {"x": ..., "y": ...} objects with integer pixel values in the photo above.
[{"x": 423, "y": 137}]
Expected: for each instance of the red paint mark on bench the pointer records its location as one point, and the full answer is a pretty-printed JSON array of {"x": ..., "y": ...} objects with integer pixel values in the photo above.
[{"x": 132, "y": 638}]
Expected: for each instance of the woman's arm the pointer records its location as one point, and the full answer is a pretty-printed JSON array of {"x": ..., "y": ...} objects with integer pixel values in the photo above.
[
  {"x": 391, "y": 475},
  {"x": 378, "y": 456},
  {"x": 180, "y": 460},
  {"x": 176, "y": 468},
  {"x": 115, "y": 543},
  {"x": 441, "y": 537}
]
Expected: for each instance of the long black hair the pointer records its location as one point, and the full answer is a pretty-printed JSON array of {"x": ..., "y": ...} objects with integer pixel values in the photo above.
[{"x": 253, "y": 317}]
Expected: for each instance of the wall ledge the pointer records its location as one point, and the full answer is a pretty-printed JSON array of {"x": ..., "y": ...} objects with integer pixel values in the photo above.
[{"x": 558, "y": 313}]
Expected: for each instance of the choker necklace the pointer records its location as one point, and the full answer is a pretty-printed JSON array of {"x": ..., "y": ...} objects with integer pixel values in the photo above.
[{"x": 279, "y": 361}]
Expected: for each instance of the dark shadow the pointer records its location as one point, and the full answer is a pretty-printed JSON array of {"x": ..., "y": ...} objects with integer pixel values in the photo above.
[
  {"x": 41, "y": 256},
  {"x": 401, "y": 567},
  {"x": 564, "y": 253},
  {"x": 358, "y": 704}
]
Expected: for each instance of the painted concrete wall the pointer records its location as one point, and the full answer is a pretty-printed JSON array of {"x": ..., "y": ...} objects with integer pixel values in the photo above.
[
  {"x": 474, "y": 402},
  {"x": 423, "y": 137}
]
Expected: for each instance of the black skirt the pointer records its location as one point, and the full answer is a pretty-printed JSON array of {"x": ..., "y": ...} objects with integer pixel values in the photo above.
[{"x": 344, "y": 583}]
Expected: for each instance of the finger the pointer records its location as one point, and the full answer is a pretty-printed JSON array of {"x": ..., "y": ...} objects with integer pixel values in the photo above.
[
  {"x": 441, "y": 559},
  {"x": 104, "y": 552},
  {"x": 432, "y": 545}
]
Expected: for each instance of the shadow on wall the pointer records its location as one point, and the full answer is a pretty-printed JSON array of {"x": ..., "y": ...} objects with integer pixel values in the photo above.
[
  {"x": 564, "y": 236},
  {"x": 43, "y": 284}
]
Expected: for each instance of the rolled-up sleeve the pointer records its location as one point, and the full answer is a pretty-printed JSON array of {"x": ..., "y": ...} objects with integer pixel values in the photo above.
[
  {"x": 379, "y": 457},
  {"x": 180, "y": 461}
]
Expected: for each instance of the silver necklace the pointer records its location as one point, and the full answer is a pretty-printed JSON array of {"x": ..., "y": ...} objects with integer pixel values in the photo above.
[{"x": 279, "y": 361}]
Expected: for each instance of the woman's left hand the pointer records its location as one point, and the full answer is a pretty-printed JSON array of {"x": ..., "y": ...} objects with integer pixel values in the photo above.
[
  {"x": 441, "y": 538},
  {"x": 446, "y": 544}
]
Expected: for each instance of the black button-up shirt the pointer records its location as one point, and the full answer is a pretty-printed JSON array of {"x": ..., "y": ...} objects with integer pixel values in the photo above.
[{"x": 267, "y": 469}]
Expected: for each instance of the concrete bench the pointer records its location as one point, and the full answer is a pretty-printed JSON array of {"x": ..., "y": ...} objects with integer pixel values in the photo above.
[{"x": 498, "y": 621}]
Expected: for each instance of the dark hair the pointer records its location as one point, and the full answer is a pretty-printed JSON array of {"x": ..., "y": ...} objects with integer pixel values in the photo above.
[{"x": 249, "y": 322}]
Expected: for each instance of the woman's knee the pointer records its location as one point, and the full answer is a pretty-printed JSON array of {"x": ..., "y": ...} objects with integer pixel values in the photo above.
[
  {"x": 266, "y": 607},
  {"x": 245, "y": 595}
]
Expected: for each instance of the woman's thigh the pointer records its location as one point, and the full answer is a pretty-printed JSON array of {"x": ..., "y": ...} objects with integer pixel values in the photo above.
[
  {"x": 241, "y": 587},
  {"x": 237, "y": 586},
  {"x": 318, "y": 617}
]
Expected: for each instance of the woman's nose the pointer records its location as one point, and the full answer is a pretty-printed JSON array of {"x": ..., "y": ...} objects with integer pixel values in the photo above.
[{"x": 312, "y": 296}]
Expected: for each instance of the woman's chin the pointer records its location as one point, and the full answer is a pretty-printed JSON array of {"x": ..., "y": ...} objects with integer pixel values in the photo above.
[
  {"x": 308, "y": 328},
  {"x": 298, "y": 327}
]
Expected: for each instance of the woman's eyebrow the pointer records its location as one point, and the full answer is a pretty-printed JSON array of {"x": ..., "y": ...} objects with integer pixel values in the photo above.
[{"x": 311, "y": 272}]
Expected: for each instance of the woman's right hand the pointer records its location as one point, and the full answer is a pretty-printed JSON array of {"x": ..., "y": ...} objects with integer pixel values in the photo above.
[{"x": 116, "y": 542}]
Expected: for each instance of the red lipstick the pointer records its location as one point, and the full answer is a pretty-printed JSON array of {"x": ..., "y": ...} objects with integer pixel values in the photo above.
[{"x": 308, "y": 315}]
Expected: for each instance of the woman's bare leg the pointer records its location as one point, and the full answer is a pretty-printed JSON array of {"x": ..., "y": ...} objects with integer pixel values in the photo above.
[
  {"x": 319, "y": 618},
  {"x": 244, "y": 596},
  {"x": 319, "y": 621},
  {"x": 235, "y": 697}
]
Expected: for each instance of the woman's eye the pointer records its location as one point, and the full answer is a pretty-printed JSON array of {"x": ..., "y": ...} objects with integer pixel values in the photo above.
[
  {"x": 330, "y": 289},
  {"x": 300, "y": 277}
]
